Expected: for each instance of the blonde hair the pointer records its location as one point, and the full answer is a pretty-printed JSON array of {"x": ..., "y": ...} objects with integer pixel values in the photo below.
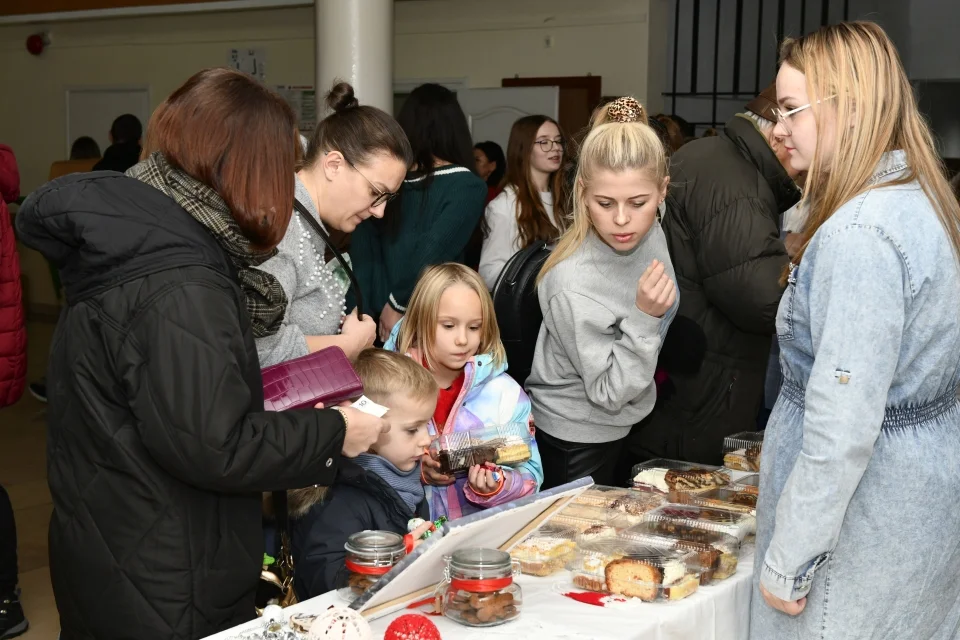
[
  {"x": 419, "y": 328},
  {"x": 384, "y": 373},
  {"x": 876, "y": 112},
  {"x": 611, "y": 145}
]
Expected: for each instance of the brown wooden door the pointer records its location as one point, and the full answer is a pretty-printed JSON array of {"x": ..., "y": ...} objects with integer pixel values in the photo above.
[{"x": 579, "y": 96}]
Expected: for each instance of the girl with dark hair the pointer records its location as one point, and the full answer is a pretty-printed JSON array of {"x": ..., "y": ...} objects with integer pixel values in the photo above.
[
  {"x": 533, "y": 205},
  {"x": 84, "y": 148},
  {"x": 491, "y": 166},
  {"x": 354, "y": 165},
  {"x": 438, "y": 208},
  {"x": 159, "y": 447}
]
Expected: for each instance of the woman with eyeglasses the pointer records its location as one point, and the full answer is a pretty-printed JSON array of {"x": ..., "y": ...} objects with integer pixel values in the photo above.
[
  {"x": 436, "y": 213},
  {"x": 533, "y": 205},
  {"x": 858, "y": 533},
  {"x": 353, "y": 166}
]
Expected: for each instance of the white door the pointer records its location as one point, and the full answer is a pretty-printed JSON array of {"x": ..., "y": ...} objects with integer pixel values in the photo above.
[
  {"x": 492, "y": 112},
  {"x": 91, "y": 111}
]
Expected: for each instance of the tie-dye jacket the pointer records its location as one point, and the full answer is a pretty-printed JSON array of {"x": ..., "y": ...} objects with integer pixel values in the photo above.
[{"x": 489, "y": 397}]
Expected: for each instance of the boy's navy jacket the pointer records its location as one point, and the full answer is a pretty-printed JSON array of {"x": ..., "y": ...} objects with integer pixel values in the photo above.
[{"x": 358, "y": 501}]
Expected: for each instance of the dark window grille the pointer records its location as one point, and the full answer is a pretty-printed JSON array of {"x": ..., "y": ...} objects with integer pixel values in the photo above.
[{"x": 746, "y": 36}]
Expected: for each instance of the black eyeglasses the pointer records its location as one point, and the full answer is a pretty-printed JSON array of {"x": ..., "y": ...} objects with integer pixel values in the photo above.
[
  {"x": 548, "y": 145},
  {"x": 382, "y": 196}
]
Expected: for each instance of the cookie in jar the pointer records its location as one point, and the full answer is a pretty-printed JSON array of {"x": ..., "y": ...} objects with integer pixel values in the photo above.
[
  {"x": 479, "y": 590},
  {"x": 371, "y": 554}
]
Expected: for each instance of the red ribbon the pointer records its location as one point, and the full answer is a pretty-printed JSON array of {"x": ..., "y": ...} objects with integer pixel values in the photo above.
[
  {"x": 481, "y": 586},
  {"x": 366, "y": 571}
]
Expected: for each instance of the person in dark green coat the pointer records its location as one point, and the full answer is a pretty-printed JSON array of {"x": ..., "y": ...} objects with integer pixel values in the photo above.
[{"x": 438, "y": 210}]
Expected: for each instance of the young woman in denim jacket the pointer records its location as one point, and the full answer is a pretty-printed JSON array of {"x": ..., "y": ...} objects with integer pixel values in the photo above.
[{"x": 858, "y": 532}]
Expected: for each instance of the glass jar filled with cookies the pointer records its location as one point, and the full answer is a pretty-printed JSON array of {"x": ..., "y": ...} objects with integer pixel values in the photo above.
[
  {"x": 370, "y": 554},
  {"x": 479, "y": 590}
]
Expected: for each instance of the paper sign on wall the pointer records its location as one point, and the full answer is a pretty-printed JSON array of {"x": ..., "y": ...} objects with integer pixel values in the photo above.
[
  {"x": 252, "y": 61},
  {"x": 303, "y": 101}
]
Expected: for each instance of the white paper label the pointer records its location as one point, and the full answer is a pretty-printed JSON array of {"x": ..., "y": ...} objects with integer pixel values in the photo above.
[{"x": 367, "y": 405}]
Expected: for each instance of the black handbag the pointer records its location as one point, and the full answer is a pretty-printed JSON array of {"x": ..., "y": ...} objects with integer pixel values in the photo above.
[{"x": 518, "y": 309}]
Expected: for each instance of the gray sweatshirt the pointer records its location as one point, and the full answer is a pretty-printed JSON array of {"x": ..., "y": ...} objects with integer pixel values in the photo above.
[
  {"x": 315, "y": 289},
  {"x": 592, "y": 374}
]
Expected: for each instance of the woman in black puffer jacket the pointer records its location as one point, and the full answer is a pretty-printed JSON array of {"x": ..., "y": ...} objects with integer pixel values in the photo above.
[{"x": 158, "y": 446}]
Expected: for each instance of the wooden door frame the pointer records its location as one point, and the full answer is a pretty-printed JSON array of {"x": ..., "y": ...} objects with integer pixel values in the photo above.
[{"x": 591, "y": 83}]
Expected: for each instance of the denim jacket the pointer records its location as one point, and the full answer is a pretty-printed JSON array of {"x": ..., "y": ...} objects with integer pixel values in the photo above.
[{"x": 870, "y": 342}]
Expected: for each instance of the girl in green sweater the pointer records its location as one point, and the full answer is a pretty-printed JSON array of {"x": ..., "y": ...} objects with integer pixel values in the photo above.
[{"x": 440, "y": 205}]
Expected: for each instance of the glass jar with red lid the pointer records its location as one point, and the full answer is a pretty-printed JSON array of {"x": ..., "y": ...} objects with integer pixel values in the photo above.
[
  {"x": 479, "y": 590},
  {"x": 370, "y": 554}
]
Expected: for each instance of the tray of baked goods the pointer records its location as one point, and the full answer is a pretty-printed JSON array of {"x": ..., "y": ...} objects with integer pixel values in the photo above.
[
  {"x": 636, "y": 571},
  {"x": 739, "y": 525},
  {"x": 625, "y": 501},
  {"x": 546, "y": 550},
  {"x": 741, "y": 451},
  {"x": 506, "y": 444},
  {"x": 592, "y": 522},
  {"x": 731, "y": 498},
  {"x": 669, "y": 476},
  {"x": 747, "y": 484},
  {"x": 717, "y": 553}
]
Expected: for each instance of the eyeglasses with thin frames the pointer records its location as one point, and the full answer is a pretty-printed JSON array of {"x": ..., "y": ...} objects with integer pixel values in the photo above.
[
  {"x": 382, "y": 196},
  {"x": 548, "y": 145},
  {"x": 784, "y": 116}
]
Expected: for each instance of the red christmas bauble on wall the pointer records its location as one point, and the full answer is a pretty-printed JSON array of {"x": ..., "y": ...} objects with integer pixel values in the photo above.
[{"x": 37, "y": 43}]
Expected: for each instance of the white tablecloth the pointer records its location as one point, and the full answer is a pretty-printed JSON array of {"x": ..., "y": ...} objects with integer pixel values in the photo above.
[{"x": 718, "y": 612}]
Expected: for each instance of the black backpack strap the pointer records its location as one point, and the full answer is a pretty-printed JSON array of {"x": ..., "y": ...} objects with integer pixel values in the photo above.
[{"x": 318, "y": 229}]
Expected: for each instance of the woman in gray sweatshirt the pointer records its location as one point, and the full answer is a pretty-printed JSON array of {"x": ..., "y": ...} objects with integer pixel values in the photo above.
[
  {"x": 608, "y": 295},
  {"x": 353, "y": 165}
]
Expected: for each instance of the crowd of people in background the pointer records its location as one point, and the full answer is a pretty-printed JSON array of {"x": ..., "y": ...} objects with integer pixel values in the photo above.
[{"x": 793, "y": 270}]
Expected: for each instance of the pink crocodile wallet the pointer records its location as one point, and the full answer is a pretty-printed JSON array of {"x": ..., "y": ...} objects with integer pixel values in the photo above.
[{"x": 324, "y": 376}]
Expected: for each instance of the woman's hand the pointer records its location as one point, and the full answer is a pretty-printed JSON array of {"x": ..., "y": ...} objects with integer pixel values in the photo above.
[
  {"x": 786, "y": 606},
  {"x": 388, "y": 320},
  {"x": 656, "y": 292},
  {"x": 430, "y": 470},
  {"x": 362, "y": 332},
  {"x": 363, "y": 431},
  {"x": 481, "y": 480}
]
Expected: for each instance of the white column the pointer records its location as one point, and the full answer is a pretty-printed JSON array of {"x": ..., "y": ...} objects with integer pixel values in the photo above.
[{"x": 355, "y": 43}]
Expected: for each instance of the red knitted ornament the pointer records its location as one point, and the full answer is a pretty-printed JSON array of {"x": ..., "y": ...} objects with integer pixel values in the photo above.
[{"x": 412, "y": 626}]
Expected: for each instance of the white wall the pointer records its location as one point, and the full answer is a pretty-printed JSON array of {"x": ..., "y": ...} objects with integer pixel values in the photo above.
[
  {"x": 482, "y": 42},
  {"x": 495, "y": 39}
]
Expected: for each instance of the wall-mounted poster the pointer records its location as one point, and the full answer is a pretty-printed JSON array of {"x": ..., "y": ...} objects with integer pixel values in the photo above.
[
  {"x": 303, "y": 101},
  {"x": 252, "y": 61}
]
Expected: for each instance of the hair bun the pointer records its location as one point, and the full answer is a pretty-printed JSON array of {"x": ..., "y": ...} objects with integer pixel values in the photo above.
[
  {"x": 625, "y": 109},
  {"x": 341, "y": 97}
]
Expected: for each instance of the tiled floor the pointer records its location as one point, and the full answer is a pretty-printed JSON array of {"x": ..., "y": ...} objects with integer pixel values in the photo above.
[{"x": 23, "y": 472}]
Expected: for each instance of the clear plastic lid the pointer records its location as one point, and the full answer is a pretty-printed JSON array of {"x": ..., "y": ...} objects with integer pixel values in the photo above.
[
  {"x": 626, "y": 501},
  {"x": 748, "y": 484},
  {"x": 736, "y": 524},
  {"x": 582, "y": 517},
  {"x": 741, "y": 451},
  {"x": 546, "y": 550},
  {"x": 634, "y": 570},
  {"x": 717, "y": 553},
  {"x": 730, "y": 499},
  {"x": 506, "y": 444},
  {"x": 667, "y": 476}
]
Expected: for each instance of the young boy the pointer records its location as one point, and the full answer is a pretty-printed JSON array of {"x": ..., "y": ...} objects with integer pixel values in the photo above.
[{"x": 380, "y": 490}]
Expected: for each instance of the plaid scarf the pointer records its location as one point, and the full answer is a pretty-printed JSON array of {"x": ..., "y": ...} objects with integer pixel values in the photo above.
[{"x": 266, "y": 301}]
